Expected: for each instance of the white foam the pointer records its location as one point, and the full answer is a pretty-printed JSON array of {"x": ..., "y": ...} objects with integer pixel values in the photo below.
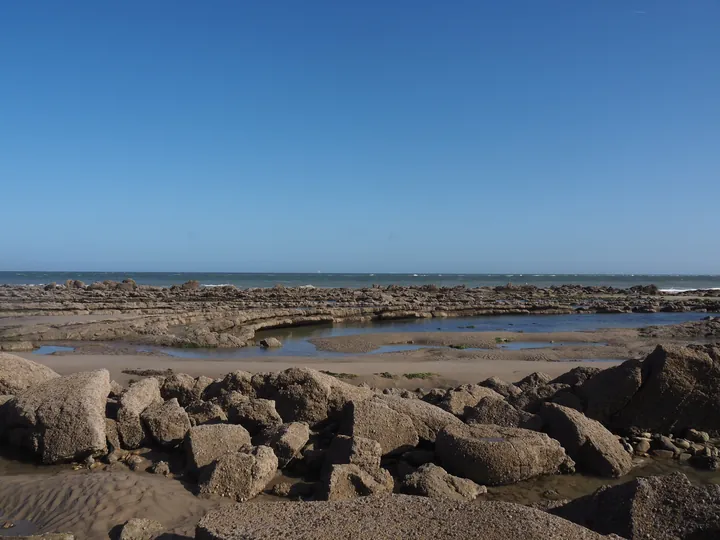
[
  {"x": 216, "y": 285},
  {"x": 673, "y": 290}
]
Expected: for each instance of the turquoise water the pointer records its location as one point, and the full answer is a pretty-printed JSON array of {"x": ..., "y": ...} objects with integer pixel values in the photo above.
[{"x": 248, "y": 280}]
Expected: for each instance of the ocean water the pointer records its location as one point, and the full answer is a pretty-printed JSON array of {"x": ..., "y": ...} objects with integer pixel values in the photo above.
[{"x": 671, "y": 283}]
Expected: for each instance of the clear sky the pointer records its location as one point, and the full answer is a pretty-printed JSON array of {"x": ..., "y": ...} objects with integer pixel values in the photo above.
[{"x": 368, "y": 136}]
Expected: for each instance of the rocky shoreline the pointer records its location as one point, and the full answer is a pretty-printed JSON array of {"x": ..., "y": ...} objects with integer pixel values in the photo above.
[
  {"x": 194, "y": 316},
  {"x": 356, "y": 460}
]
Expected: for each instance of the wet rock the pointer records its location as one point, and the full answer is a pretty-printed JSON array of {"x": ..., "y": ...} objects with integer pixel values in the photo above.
[
  {"x": 254, "y": 414},
  {"x": 286, "y": 440},
  {"x": 205, "y": 412},
  {"x": 374, "y": 419},
  {"x": 494, "y": 455},
  {"x": 350, "y": 481},
  {"x": 204, "y": 444},
  {"x": 161, "y": 468},
  {"x": 428, "y": 419},
  {"x": 138, "y": 397},
  {"x": 270, "y": 342},
  {"x": 501, "y": 413},
  {"x": 61, "y": 419},
  {"x": 141, "y": 529},
  {"x": 387, "y": 518},
  {"x": 16, "y": 346},
  {"x": 434, "y": 482},
  {"x": 167, "y": 422},
  {"x": 593, "y": 448},
  {"x": 458, "y": 400},
  {"x": 704, "y": 462},
  {"x": 18, "y": 374},
  {"x": 240, "y": 475},
  {"x": 658, "y": 507}
]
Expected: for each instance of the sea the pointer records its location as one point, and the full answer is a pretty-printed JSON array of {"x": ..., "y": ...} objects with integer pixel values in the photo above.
[{"x": 665, "y": 282}]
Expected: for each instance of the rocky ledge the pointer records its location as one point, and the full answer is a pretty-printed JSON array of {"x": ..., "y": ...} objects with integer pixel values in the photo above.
[
  {"x": 194, "y": 316},
  {"x": 392, "y": 463}
]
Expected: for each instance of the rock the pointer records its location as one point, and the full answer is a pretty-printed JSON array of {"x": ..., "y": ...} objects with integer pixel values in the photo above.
[
  {"x": 116, "y": 389},
  {"x": 642, "y": 447},
  {"x": 237, "y": 381},
  {"x": 576, "y": 376},
  {"x": 658, "y": 507},
  {"x": 141, "y": 529},
  {"x": 663, "y": 454},
  {"x": 240, "y": 475},
  {"x": 428, "y": 419},
  {"x": 533, "y": 397},
  {"x": 344, "y": 450},
  {"x": 350, "y": 481},
  {"x": 306, "y": 395},
  {"x": 204, "y": 444},
  {"x": 18, "y": 374},
  {"x": 593, "y": 448},
  {"x": 205, "y": 412},
  {"x": 458, "y": 400},
  {"x": 286, "y": 440},
  {"x": 270, "y": 342},
  {"x": 184, "y": 387},
  {"x": 161, "y": 468},
  {"x": 434, "y": 482},
  {"x": 503, "y": 388},
  {"x": 706, "y": 463},
  {"x": 665, "y": 443},
  {"x": 16, "y": 346},
  {"x": 61, "y": 419},
  {"x": 501, "y": 413},
  {"x": 46, "y": 536},
  {"x": 697, "y": 436},
  {"x": 609, "y": 391},
  {"x": 167, "y": 422},
  {"x": 136, "y": 463},
  {"x": 534, "y": 380},
  {"x": 419, "y": 457},
  {"x": 138, "y": 397},
  {"x": 389, "y": 517},
  {"x": 111, "y": 435},
  {"x": 254, "y": 414},
  {"x": 494, "y": 455},
  {"x": 374, "y": 419}
]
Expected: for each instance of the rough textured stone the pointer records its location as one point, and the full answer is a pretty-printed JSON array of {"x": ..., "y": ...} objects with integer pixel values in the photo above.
[
  {"x": 270, "y": 342},
  {"x": 205, "y": 444},
  {"x": 658, "y": 507},
  {"x": 167, "y": 422},
  {"x": 185, "y": 388},
  {"x": 435, "y": 482},
  {"x": 504, "y": 388},
  {"x": 61, "y": 419},
  {"x": 141, "y": 529},
  {"x": 387, "y": 518},
  {"x": 609, "y": 391},
  {"x": 501, "y": 413},
  {"x": 254, "y": 414},
  {"x": 494, "y": 455},
  {"x": 18, "y": 374},
  {"x": 350, "y": 481},
  {"x": 344, "y": 450},
  {"x": 593, "y": 448},
  {"x": 576, "y": 376},
  {"x": 240, "y": 475},
  {"x": 237, "y": 381},
  {"x": 205, "y": 412},
  {"x": 427, "y": 418},
  {"x": 374, "y": 419},
  {"x": 458, "y": 400},
  {"x": 286, "y": 440},
  {"x": 138, "y": 397}
]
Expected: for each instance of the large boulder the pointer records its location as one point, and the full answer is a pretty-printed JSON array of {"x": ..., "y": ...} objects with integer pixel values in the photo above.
[
  {"x": 494, "y": 455},
  {"x": 387, "y": 518},
  {"x": 18, "y": 374},
  {"x": 606, "y": 393},
  {"x": 306, "y": 395},
  {"x": 501, "y": 413},
  {"x": 504, "y": 388},
  {"x": 237, "y": 381},
  {"x": 286, "y": 440},
  {"x": 658, "y": 507},
  {"x": 61, "y": 419},
  {"x": 350, "y": 481},
  {"x": 428, "y": 419},
  {"x": 204, "y": 444},
  {"x": 185, "y": 388},
  {"x": 458, "y": 400},
  {"x": 254, "y": 414},
  {"x": 374, "y": 419},
  {"x": 240, "y": 475},
  {"x": 576, "y": 376},
  {"x": 344, "y": 450},
  {"x": 205, "y": 412},
  {"x": 435, "y": 482},
  {"x": 167, "y": 422},
  {"x": 679, "y": 391},
  {"x": 593, "y": 448},
  {"x": 133, "y": 402}
]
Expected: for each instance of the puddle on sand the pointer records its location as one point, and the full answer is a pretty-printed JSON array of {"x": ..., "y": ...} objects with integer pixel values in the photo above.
[
  {"x": 521, "y": 345},
  {"x": 50, "y": 349}
]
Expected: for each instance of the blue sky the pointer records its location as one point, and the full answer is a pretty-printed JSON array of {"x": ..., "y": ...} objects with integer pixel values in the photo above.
[{"x": 403, "y": 135}]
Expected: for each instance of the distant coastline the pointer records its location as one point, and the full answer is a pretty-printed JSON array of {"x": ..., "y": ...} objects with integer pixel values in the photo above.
[{"x": 665, "y": 282}]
